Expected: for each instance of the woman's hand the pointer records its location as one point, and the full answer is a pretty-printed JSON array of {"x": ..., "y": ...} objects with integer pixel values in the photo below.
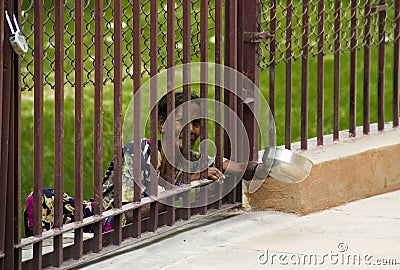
[{"x": 213, "y": 174}]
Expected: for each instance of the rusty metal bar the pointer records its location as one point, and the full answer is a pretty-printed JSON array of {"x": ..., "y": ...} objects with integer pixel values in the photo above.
[
  {"x": 10, "y": 204},
  {"x": 381, "y": 66},
  {"x": 250, "y": 68},
  {"x": 227, "y": 146},
  {"x": 240, "y": 43},
  {"x": 233, "y": 37},
  {"x": 186, "y": 108},
  {"x": 320, "y": 79},
  {"x": 109, "y": 213},
  {"x": 240, "y": 137},
  {"x": 17, "y": 182},
  {"x": 304, "y": 75},
  {"x": 336, "y": 75},
  {"x": 353, "y": 68},
  {"x": 118, "y": 118},
  {"x": 98, "y": 122},
  {"x": 170, "y": 102},
  {"x": 17, "y": 152},
  {"x": 130, "y": 242},
  {"x": 5, "y": 159},
  {"x": 38, "y": 131},
  {"x": 2, "y": 70},
  {"x": 218, "y": 95},
  {"x": 272, "y": 69},
  {"x": 9, "y": 89},
  {"x": 3, "y": 182},
  {"x": 396, "y": 65},
  {"x": 186, "y": 82},
  {"x": 231, "y": 81},
  {"x": 9, "y": 237},
  {"x": 367, "y": 67},
  {"x": 78, "y": 166},
  {"x": 58, "y": 129},
  {"x": 288, "y": 107},
  {"x": 203, "y": 103},
  {"x": 137, "y": 116},
  {"x": 204, "y": 78},
  {"x": 233, "y": 104},
  {"x": 153, "y": 224}
]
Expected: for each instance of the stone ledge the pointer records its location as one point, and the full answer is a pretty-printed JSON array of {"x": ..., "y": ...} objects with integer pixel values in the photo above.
[{"x": 344, "y": 171}]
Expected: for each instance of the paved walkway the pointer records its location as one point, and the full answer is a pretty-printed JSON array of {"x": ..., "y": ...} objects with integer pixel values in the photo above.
[{"x": 359, "y": 235}]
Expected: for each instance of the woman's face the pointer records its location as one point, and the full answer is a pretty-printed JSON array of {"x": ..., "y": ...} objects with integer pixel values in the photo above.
[{"x": 194, "y": 125}]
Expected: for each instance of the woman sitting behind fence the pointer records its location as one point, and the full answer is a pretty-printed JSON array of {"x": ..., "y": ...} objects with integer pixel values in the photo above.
[{"x": 250, "y": 169}]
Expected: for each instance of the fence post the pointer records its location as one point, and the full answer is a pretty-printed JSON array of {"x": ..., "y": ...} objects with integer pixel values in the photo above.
[
  {"x": 10, "y": 138},
  {"x": 250, "y": 67},
  {"x": 2, "y": 180}
]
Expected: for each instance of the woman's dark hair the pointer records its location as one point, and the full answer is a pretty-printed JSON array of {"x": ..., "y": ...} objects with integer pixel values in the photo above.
[{"x": 162, "y": 104}]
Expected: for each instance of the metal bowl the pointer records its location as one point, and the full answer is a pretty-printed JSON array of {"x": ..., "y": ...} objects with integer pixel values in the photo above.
[{"x": 286, "y": 165}]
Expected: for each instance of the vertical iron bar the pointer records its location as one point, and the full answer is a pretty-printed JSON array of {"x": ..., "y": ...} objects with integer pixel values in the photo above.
[
  {"x": 336, "y": 75},
  {"x": 98, "y": 122},
  {"x": 10, "y": 205},
  {"x": 232, "y": 83},
  {"x": 203, "y": 86},
  {"x": 137, "y": 221},
  {"x": 288, "y": 118},
  {"x": 5, "y": 155},
  {"x": 170, "y": 103},
  {"x": 353, "y": 68},
  {"x": 381, "y": 68},
  {"x": 203, "y": 95},
  {"x": 226, "y": 140},
  {"x": 3, "y": 182},
  {"x": 239, "y": 83},
  {"x": 367, "y": 66},
  {"x": 118, "y": 118},
  {"x": 251, "y": 69},
  {"x": 227, "y": 146},
  {"x": 78, "y": 190},
  {"x": 17, "y": 150},
  {"x": 239, "y": 93},
  {"x": 272, "y": 68},
  {"x": 186, "y": 107},
  {"x": 9, "y": 91},
  {"x": 304, "y": 76},
  {"x": 38, "y": 131},
  {"x": 320, "y": 86},
  {"x": 58, "y": 129},
  {"x": 10, "y": 229},
  {"x": 2, "y": 70},
  {"x": 396, "y": 65},
  {"x": 153, "y": 223},
  {"x": 218, "y": 94}
]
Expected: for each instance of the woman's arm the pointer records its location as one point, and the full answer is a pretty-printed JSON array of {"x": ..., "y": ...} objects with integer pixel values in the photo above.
[{"x": 249, "y": 170}]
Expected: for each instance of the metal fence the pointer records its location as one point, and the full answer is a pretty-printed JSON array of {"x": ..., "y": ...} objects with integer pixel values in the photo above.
[
  {"x": 302, "y": 30},
  {"x": 95, "y": 43},
  {"x": 128, "y": 51},
  {"x": 80, "y": 43}
]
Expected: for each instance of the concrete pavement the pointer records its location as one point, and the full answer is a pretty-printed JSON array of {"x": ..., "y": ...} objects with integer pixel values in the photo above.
[{"x": 359, "y": 235}]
